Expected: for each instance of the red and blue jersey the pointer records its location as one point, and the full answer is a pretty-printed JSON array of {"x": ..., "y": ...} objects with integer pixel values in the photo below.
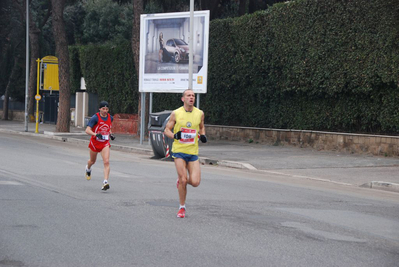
[{"x": 102, "y": 126}]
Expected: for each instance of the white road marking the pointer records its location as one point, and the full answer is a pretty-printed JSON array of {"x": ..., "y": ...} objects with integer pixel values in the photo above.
[
  {"x": 305, "y": 177},
  {"x": 10, "y": 183}
]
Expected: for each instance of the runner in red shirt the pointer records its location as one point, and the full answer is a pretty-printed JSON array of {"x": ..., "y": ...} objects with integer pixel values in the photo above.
[{"x": 99, "y": 128}]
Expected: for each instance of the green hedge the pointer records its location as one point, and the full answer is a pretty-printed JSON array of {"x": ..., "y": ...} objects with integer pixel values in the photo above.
[
  {"x": 75, "y": 71},
  {"x": 318, "y": 65},
  {"x": 108, "y": 71},
  {"x": 308, "y": 64}
]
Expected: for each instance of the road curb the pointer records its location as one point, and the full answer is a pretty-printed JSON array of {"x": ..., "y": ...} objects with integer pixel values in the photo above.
[
  {"x": 236, "y": 164},
  {"x": 61, "y": 134},
  {"x": 133, "y": 149},
  {"x": 208, "y": 161},
  {"x": 40, "y": 135},
  {"x": 61, "y": 137},
  {"x": 387, "y": 186},
  {"x": 115, "y": 147},
  {"x": 227, "y": 163}
]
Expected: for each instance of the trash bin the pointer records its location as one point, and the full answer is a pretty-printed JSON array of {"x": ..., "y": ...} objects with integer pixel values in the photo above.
[
  {"x": 86, "y": 121},
  {"x": 161, "y": 144}
]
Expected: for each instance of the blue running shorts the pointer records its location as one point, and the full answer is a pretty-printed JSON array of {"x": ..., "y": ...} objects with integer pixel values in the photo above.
[{"x": 186, "y": 157}]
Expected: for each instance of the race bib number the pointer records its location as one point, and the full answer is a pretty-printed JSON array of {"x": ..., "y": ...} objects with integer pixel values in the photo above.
[
  {"x": 188, "y": 136},
  {"x": 104, "y": 138}
]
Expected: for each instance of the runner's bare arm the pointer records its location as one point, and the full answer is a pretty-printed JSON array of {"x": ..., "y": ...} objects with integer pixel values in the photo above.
[
  {"x": 169, "y": 126},
  {"x": 202, "y": 125},
  {"x": 89, "y": 131}
]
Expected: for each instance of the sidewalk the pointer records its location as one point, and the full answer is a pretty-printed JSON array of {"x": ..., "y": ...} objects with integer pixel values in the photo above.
[{"x": 302, "y": 163}]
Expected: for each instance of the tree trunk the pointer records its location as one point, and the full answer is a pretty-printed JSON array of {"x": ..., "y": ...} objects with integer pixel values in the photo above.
[
  {"x": 138, "y": 6},
  {"x": 34, "y": 45},
  {"x": 61, "y": 51},
  {"x": 252, "y": 6},
  {"x": 242, "y": 7},
  {"x": 34, "y": 34},
  {"x": 212, "y": 6},
  {"x": 5, "y": 14},
  {"x": 255, "y": 5},
  {"x": 138, "y": 10},
  {"x": 11, "y": 82},
  {"x": 5, "y": 104}
]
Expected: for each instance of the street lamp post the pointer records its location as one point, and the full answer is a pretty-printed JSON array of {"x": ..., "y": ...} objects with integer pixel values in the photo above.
[{"x": 27, "y": 66}]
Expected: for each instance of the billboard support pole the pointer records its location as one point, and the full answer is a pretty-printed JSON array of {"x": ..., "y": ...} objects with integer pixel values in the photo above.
[
  {"x": 149, "y": 112},
  {"x": 150, "y": 107},
  {"x": 190, "y": 47},
  {"x": 142, "y": 131}
]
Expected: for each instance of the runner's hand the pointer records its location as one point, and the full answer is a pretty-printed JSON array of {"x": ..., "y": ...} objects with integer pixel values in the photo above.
[
  {"x": 112, "y": 137},
  {"x": 203, "y": 138},
  {"x": 177, "y": 135},
  {"x": 99, "y": 136}
]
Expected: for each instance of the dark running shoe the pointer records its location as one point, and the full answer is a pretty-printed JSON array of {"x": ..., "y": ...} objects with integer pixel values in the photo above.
[
  {"x": 105, "y": 187},
  {"x": 88, "y": 174}
]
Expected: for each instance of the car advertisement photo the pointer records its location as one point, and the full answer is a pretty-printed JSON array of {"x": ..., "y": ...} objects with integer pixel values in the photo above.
[{"x": 165, "y": 50}]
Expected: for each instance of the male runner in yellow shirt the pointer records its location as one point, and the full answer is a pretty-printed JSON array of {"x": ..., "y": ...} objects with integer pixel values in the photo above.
[{"x": 187, "y": 123}]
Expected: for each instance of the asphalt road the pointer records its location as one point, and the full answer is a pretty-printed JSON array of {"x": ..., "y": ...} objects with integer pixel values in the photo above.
[{"x": 51, "y": 216}]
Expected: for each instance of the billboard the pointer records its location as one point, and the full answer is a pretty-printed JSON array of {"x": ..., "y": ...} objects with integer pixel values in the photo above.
[{"x": 164, "y": 52}]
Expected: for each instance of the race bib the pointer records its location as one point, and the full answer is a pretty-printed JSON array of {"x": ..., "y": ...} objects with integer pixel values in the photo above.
[
  {"x": 104, "y": 138},
  {"x": 188, "y": 136}
]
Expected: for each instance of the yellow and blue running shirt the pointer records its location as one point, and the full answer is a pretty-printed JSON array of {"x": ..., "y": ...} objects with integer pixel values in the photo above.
[{"x": 188, "y": 123}]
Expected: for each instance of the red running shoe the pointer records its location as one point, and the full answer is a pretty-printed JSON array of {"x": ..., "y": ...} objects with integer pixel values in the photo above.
[{"x": 181, "y": 213}]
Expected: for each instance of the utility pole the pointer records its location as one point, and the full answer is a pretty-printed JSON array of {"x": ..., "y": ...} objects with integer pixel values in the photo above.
[{"x": 27, "y": 66}]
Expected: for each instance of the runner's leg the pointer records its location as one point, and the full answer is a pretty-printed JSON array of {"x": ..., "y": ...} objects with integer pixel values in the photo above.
[
  {"x": 181, "y": 168},
  {"x": 194, "y": 171},
  {"x": 105, "y": 155},
  {"x": 92, "y": 160}
]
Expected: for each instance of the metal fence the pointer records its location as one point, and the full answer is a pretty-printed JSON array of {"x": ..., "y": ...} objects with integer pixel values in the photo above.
[{"x": 13, "y": 105}]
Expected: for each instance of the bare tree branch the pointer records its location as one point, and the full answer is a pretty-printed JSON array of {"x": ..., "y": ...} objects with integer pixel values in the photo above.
[{"x": 45, "y": 19}]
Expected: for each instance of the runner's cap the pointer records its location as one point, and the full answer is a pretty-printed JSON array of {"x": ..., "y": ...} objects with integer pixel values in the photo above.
[{"x": 104, "y": 104}]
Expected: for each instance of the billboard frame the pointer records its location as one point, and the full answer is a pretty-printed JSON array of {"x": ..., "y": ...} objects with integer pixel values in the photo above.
[{"x": 158, "y": 76}]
